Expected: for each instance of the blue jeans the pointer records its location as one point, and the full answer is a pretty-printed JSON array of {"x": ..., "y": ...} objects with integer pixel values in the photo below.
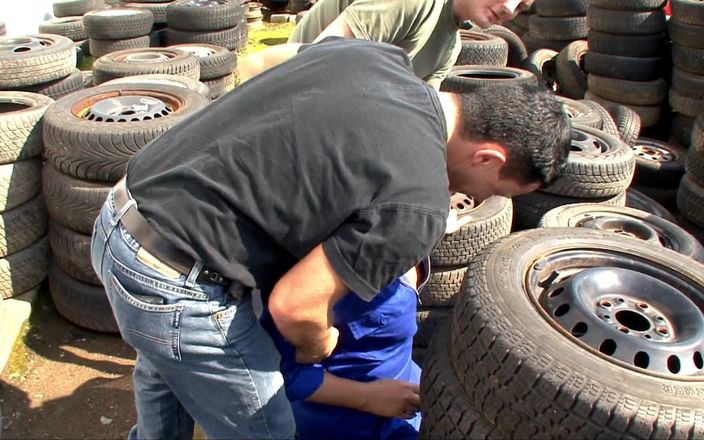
[{"x": 201, "y": 353}]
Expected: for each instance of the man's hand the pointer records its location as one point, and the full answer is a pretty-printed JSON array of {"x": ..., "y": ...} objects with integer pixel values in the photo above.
[
  {"x": 316, "y": 353},
  {"x": 391, "y": 398}
]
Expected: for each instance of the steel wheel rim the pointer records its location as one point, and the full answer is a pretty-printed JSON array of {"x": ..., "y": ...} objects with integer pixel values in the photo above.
[
  {"x": 126, "y": 106},
  {"x": 653, "y": 151},
  {"x": 587, "y": 144},
  {"x": 22, "y": 44},
  {"x": 629, "y": 312}
]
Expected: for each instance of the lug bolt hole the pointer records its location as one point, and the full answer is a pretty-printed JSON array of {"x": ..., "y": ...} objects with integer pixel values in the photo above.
[
  {"x": 663, "y": 331},
  {"x": 643, "y": 305},
  {"x": 623, "y": 330},
  {"x": 604, "y": 303}
]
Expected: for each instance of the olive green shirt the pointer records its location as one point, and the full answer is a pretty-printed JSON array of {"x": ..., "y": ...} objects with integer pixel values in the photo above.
[{"x": 425, "y": 29}]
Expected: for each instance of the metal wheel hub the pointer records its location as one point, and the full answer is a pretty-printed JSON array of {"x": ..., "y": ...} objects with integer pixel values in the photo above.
[
  {"x": 652, "y": 151},
  {"x": 205, "y": 3},
  {"x": 128, "y": 109},
  {"x": 629, "y": 316},
  {"x": 22, "y": 44},
  {"x": 586, "y": 143},
  {"x": 622, "y": 225},
  {"x": 462, "y": 203},
  {"x": 150, "y": 57},
  {"x": 198, "y": 51}
]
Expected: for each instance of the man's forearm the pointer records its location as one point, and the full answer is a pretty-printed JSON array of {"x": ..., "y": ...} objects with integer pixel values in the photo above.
[{"x": 256, "y": 63}]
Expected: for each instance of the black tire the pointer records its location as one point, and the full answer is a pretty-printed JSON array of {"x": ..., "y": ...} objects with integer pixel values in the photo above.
[
  {"x": 428, "y": 320},
  {"x": 681, "y": 130},
  {"x": 100, "y": 48},
  {"x": 22, "y": 226},
  {"x": 580, "y": 112},
  {"x": 558, "y": 28},
  {"x": 442, "y": 286},
  {"x": 213, "y": 15},
  {"x": 649, "y": 114},
  {"x": 83, "y": 304},
  {"x": 561, "y": 8},
  {"x": 637, "y": 200},
  {"x": 628, "y": 92},
  {"x": 71, "y": 251},
  {"x": 608, "y": 125},
  {"x": 534, "y": 381},
  {"x": 627, "y": 122},
  {"x": 687, "y": 35},
  {"x": 593, "y": 171},
  {"x": 145, "y": 61},
  {"x": 686, "y": 105},
  {"x": 517, "y": 51},
  {"x": 637, "y": 46},
  {"x": 118, "y": 23},
  {"x": 73, "y": 203},
  {"x": 523, "y": 19},
  {"x": 625, "y": 221},
  {"x": 658, "y": 163},
  {"x": 174, "y": 80},
  {"x": 698, "y": 134},
  {"x": 530, "y": 208},
  {"x": 20, "y": 182},
  {"x": 69, "y": 27},
  {"x": 21, "y": 125},
  {"x": 482, "y": 48},
  {"x": 688, "y": 84},
  {"x": 628, "y": 68},
  {"x": 491, "y": 219},
  {"x": 569, "y": 66},
  {"x": 220, "y": 86},
  {"x": 688, "y": 59},
  {"x": 68, "y": 8},
  {"x": 230, "y": 38},
  {"x": 158, "y": 10},
  {"x": 89, "y": 148},
  {"x": 690, "y": 200},
  {"x": 215, "y": 61},
  {"x": 447, "y": 414},
  {"x": 61, "y": 87},
  {"x": 667, "y": 197},
  {"x": 626, "y": 22},
  {"x": 35, "y": 59},
  {"x": 25, "y": 269},
  {"x": 694, "y": 165},
  {"x": 628, "y": 5},
  {"x": 541, "y": 63},
  {"x": 463, "y": 79},
  {"x": 532, "y": 43},
  {"x": 688, "y": 11}
]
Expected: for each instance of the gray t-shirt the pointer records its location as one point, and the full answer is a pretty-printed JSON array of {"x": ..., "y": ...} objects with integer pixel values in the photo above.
[{"x": 340, "y": 145}]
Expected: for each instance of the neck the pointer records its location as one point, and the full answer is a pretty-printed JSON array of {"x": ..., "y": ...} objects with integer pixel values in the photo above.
[{"x": 451, "y": 110}]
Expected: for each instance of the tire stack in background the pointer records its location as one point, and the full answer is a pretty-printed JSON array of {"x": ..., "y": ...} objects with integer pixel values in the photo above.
[
  {"x": 555, "y": 24},
  {"x": 626, "y": 48},
  {"x": 89, "y": 136},
  {"x": 148, "y": 61},
  {"x": 482, "y": 48},
  {"x": 157, "y": 36},
  {"x": 690, "y": 196},
  {"x": 206, "y": 21},
  {"x": 686, "y": 28},
  {"x": 117, "y": 28},
  {"x": 521, "y": 22},
  {"x": 71, "y": 28},
  {"x": 217, "y": 66},
  {"x": 490, "y": 220},
  {"x": 254, "y": 16},
  {"x": 24, "y": 247}
]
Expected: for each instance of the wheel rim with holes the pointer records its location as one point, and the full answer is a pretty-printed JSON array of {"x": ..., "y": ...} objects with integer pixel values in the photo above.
[
  {"x": 22, "y": 44},
  {"x": 587, "y": 144},
  {"x": 625, "y": 310},
  {"x": 651, "y": 149},
  {"x": 126, "y": 106}
]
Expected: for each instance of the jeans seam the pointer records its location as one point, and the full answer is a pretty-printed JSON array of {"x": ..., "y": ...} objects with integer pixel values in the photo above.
[{"x": 256, "y": 392}]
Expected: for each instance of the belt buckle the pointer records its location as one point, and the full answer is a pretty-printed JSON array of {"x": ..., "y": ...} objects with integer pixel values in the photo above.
[{"x": 210, "y": 276}]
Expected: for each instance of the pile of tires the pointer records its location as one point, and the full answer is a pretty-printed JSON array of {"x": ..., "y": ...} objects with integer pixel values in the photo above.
[
  {"x": 690, "y": 196},
  {"x": 626, "y": 43},
  {"x": 254, "y": 15},
  {"x": 521, "y": 22},
  {"x": 555, "y": 24},
  {"x": 570, "y": 333},
  {"x": 482, "y": 48},
  {"x": 217, "y": 22},
  {"x": 153, "y": 60},
  {"x": 39, "y": 63},
  {"x": 686, "y": 27},
  {"x": 89, "y": 136},
  {"x": 217, "y": 66},
  {"x": 117, "y": 28},
  {"x": 24, "y": 248},
  {"x": 69, "y": 27},
  {"x": 157, "y": 37},
  {"x": 660, "y": 166},
  {"x": 490, "y": 220}
]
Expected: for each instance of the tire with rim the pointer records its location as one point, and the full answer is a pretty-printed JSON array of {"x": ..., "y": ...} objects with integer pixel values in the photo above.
[
  {"x": 174, "y": 80},
  {"x": 92, "y": 133},
  {"x": 658, "y": 163},
  {"x": 21, "y": 125},
  {"x": 206, "y": 15},
  {"x": 629, "y": 222},
  {"x": 467, "y": 78},
  {"x": 145, "y": 61},
  {"x": 545, "y": 362},
  {"x": 118, "y": 23},
  {"x": 530, "y": 208},
  {"x": 580, "y": 112},
  {"x": 35, "y": 59},
  {"x": 99, "y": 48},
  {"x": 215, "y": 61},
  {"x": 637, "y": 200}
]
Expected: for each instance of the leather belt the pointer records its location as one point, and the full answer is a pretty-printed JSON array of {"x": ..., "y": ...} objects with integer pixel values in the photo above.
[{"x": 152, "y": 242}]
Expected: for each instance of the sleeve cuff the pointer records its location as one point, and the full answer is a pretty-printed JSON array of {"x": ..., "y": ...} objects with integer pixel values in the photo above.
[{"x": 303, "y": 381}]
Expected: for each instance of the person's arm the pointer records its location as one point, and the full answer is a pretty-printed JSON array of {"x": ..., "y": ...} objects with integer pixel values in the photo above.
[
  {"x": 258, "y": 62},
  {"x": 301, "y": 306},
  {"x": 443, "y": 70},
  {"x": 338, "y": 28}
]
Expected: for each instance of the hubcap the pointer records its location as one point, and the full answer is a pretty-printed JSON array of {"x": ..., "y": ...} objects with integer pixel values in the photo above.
[
  {"x": 586, "y": 143},
  {"x": 205, "y": 3},
  {"x": 151, "y": 57},
  {"x": 22, "y": 44},
  {"x": 128, "y": 109}
]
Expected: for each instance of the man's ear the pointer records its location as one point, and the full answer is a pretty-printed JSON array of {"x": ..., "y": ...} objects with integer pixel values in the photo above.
[{"x": 490, "y": 154}]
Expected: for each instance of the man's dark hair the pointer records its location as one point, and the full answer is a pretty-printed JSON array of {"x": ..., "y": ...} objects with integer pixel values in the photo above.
[{"x": 528, "y": 121}]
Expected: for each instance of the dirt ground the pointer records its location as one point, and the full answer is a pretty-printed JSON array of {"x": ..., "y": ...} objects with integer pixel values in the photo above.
[{"x": 66, "y": 382}]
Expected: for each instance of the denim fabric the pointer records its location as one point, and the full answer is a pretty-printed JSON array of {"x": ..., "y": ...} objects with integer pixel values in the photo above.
[{"x": 201, "y": 353}]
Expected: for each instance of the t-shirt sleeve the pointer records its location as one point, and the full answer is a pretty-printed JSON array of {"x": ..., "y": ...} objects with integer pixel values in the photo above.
[
  {"x": 388, "y": 21},
  {"x": 378, "y": 244}
]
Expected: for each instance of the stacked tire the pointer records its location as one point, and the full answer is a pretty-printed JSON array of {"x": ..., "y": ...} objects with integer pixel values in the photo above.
[
  {"x": 491, "y": 220},
  {"x": 686, "y": 28},
  {"x": 626, "y": 49},
  {"x": 157, "y": 37},
  {"x": 113, "y": 29},
  {"x": 254, "y": 16},
  {"x": 660, "y": 166},
  {"x": 217, "y": 66},
  {"x": 521, "y": 22},
  {"x": 39, "y": 63},
  {"x": 132, "y": 62},
  {"x": 482, "y": 48},
  {"x": 555, "y": 24},
  {"x": 690, "y": 196},
  {"x": 217, "y": 22},
  {"x": 599, "y": 169},
  {"x": 69, "y": 27},
  {"x": 24, "y": 247},
  {"x": 89, "y": 137}
]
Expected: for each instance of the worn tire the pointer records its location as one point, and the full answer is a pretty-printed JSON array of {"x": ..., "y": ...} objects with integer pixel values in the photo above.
[
  {"x": 561, "y": 8},
  {"x": 687, "y": 35},
  {"x": 697, "y": 136},
  {"x": 621, "y": 67},
  {"x": 658, "y": 163},
  {"x": 141, "y": 62},
  {"x": 627, "y": 122},
  {"x": 118, "y": 23},
  {"x": 688, "y": 11},
  {"x": 215, "y": 61},
  {"x": 24, "y": 269},
  {"x": 580, "y": 112},
  {"x": 694, "y": 165},
  {"x": 71, "y": 251},
  {"x": 231, "y": 38},
  {"x": 541, "y": 63},
  {"x": 621, "y": 22},
  {"x": 22, "y": 226},
  {"x": 20, "y": 182},
  {"x": 686, "y": 105},
  {"x": 482, "y": 48},
  {"x": 187, "y": 15},
  {"x": 637, "y": 200},
  {"x": 688, "y": 84},
  {"x": 637, "y": 46},
  {"x": 174, "y": 80},
  {"x": 428, "y": 320},
  {"x": 220, "y": 86},
  {"x": 558, "y": 28},
  {"x": 628, "y": 5},
  {"x": 690, "y": 200},
  {"x": 649, "y": 114},
  {"x": 69, "y": 27},
  {"x": 530, "y": 208},
  {"x": 688, "y": 58},
  {"x": 61, "y": 87},
  {"x": 35, "y": 59},
  {"x": 21, "y": 125},
  {"x": 569, "y": 66},
  {"x": 68, "y": 8},
  {"x": 608, "y": 125},
  {"x": 462, "y": 79},
  {"x": 628, "y": 92},
  {"x": 442, "y": 286},
  {"x": 517, "y": 51}
]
